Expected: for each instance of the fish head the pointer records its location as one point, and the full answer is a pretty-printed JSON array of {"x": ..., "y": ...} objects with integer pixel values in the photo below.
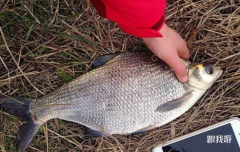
[{"x": 203, "y": 76}]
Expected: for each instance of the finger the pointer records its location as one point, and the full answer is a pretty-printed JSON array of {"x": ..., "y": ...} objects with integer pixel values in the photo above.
[
  {"x": 183, "y": 50},
  {"x": 168, "y": 54},
  {"x": 178, "y": 67},
  {"x": 174, "y": 61},
  {"x": 180, "y": 44}
]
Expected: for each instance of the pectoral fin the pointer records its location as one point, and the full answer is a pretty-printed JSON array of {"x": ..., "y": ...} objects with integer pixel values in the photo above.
[
  {"x": 174, "y": 104},
  {"x": 103, "y": 59}
]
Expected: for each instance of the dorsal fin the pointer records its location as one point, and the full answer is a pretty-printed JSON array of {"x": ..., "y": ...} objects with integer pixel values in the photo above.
[{"x": 103, "y": 59}]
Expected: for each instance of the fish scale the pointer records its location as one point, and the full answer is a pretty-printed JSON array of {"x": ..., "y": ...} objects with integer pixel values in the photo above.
[{"x": 120, "y": 96}]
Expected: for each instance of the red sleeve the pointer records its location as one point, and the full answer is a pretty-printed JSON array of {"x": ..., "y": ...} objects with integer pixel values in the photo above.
[{"x": 140, "y": 18}]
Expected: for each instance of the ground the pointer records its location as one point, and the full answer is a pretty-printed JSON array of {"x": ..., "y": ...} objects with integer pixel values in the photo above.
[{"x": 44, "y": 44}]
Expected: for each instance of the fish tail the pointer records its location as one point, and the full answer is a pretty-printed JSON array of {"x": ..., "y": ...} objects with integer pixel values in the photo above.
[{"x": 19, "y": 107}]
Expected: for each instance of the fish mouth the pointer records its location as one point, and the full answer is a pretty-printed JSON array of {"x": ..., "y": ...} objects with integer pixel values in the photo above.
[{"x": 220, "y": 72}]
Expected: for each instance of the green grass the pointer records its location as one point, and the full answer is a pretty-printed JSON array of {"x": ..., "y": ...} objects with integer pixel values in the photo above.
[
  {"x": 38, "y": 29},
  {"x": 66, "y": 77}
]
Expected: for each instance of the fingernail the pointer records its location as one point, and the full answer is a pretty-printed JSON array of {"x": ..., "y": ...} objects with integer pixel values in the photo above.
[{"x": 184, "y": 79}]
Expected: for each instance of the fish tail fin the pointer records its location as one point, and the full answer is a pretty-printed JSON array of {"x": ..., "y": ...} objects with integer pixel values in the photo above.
[
  {"x": 26, "y": 133},
  {"x": 19, "y": 107}
]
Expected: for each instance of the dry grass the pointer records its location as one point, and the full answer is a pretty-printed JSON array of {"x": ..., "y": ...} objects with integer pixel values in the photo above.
[{"x": 51, "y": 42}]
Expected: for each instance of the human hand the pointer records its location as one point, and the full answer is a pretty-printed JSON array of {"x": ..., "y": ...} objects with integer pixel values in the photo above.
[{"x": 170, "y": 48}]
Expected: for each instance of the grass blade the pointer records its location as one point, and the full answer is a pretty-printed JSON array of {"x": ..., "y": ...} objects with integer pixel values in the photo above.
[
  {"x": 29, "y": 32},
  {"x": 74, "y": 37}
]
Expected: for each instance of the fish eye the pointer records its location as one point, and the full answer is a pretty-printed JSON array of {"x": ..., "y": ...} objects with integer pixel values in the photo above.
[{"x": 209, "y": 69}]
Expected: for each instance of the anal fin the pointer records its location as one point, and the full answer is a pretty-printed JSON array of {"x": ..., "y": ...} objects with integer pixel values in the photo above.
[
  {"x": 94, "y": 133},
  {"x": 144, "y": 130}
]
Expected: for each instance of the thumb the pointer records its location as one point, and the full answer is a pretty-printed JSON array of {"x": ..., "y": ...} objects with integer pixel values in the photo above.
[
  {"x": 174, "y": 61},
  {"x": 168, "y": 53},
  {"x": 180, "y": 70}
]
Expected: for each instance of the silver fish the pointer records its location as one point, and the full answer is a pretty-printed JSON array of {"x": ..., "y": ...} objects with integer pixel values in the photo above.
[{"x": 127, "y": 93}]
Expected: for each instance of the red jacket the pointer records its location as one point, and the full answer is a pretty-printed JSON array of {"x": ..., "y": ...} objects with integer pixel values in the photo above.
[{"x": 140, "y": 18}]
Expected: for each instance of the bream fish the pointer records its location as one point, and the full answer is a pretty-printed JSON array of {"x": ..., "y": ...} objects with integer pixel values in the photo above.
[{"x": 126, "y": 93}]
